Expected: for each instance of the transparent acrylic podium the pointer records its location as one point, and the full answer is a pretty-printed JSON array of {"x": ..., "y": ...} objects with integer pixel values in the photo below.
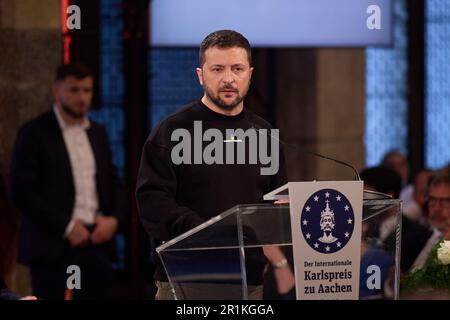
[{"x": 223, "y": 257}]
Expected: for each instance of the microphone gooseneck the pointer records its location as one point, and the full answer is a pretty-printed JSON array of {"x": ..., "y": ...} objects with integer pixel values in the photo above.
[{"x": 357, "y": 177}]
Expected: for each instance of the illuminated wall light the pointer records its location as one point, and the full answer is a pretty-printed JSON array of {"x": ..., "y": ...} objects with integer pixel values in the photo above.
[{"x": 65, "y": 32}]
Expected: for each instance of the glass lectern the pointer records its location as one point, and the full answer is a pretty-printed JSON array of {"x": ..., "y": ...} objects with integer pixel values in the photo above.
[{"x": 223, "y": 259}]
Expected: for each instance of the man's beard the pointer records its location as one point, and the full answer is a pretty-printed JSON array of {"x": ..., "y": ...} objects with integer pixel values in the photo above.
[
  {"x": 438, "y": 223},
  {"x": 222, "y": 104},
  {"x": 72, "y": 113}
]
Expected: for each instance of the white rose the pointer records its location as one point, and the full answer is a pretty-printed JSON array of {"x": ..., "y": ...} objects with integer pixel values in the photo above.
[{"x": 443, "y": 252}]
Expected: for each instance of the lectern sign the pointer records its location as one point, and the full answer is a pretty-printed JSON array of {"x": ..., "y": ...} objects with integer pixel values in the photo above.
[{"x": 326, "y": 233}]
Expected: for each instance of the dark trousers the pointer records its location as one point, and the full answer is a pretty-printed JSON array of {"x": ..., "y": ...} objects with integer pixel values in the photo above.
[{"x": 94, "y": 262}]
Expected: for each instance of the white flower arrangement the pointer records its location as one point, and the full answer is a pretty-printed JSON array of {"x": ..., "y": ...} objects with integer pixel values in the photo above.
[
  {"x": 435, "y": 274},
  {"x": 443, "y": 252}
]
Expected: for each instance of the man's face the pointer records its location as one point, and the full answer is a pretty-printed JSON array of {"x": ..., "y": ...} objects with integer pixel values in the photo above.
[
  {"x": 420, "y": 187},
  {"x": 439, "y": 206},
  {"x": 225, "y": 76},
  {"x": 74, "y": 95},
  {"x": 327, "y": 223}
]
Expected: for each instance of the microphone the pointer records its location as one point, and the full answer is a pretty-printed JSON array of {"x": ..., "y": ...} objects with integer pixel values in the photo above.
[{"x": 357, "y": 177}]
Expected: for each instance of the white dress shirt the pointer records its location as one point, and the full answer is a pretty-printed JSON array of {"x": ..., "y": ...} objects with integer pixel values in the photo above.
[
  {"x": 423, "y": 255},
  {"x": 83, "y": 166}
]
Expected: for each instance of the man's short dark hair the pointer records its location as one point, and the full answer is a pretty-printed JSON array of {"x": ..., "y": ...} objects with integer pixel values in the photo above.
[
  {"x": 72, "y": 69},
  {"x": 387, "y": 157},
  {"x": 224, "y": 39},
  {"x": 441, "y": 176},
  {"x": 383, "y": 179}
]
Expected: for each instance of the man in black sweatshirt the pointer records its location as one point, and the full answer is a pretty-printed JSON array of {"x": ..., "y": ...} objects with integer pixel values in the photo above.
[{"x": 182, "y": 182}]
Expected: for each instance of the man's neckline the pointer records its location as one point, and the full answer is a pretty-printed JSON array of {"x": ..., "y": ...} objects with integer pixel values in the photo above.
[{"x": 238, "y": 116}]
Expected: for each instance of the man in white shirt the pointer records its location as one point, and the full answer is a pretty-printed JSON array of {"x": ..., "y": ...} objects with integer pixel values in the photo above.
[
  {"x": 66, "y": 187},
  {"x": 438, "y": 203}
]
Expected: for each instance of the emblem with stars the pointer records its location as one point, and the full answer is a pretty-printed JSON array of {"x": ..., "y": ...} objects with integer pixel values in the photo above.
[{"x": 327, "y": 221}]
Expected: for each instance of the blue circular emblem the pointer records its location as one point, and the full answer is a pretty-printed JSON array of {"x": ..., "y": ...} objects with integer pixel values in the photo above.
[{"x": 327, "y": 221}]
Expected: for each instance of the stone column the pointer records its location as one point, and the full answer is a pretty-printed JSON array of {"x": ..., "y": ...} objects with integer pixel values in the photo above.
[
  {"x": 30, "y": 42},
  {"x": 320, "y": 107},
  {"x": 340, "y": 103},
  {"x": 30, "y": 39}
]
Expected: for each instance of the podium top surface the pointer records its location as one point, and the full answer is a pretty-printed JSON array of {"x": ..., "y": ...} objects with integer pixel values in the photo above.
[
  {"x": 255, "y": 225},
  {"x": 282, "y": 193}
]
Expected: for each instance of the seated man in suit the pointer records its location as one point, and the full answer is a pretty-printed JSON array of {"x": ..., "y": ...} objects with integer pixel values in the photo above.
[
  {"x": 66, "y": 187},
  {"x": 414, "y": 234},
  {"x": 438, "y": 206}
]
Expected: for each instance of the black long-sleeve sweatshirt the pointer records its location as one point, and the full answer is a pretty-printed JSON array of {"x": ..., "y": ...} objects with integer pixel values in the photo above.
[{"x": 173, "y": 197}]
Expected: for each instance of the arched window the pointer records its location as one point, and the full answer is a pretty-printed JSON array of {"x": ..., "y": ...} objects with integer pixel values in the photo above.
[{"x": 386, "y": 92}]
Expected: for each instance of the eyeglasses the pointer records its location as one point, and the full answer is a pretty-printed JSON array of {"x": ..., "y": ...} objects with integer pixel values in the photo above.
[{"x": 434, "y": 201}]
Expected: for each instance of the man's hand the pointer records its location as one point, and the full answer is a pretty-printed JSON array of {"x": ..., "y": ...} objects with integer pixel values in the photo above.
[
  {"x": 79, "y": 235},
  {"x": 284, "y": 276},
  {"x": 104, "y": 230},
  {"x": 273, "y": 253}
]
